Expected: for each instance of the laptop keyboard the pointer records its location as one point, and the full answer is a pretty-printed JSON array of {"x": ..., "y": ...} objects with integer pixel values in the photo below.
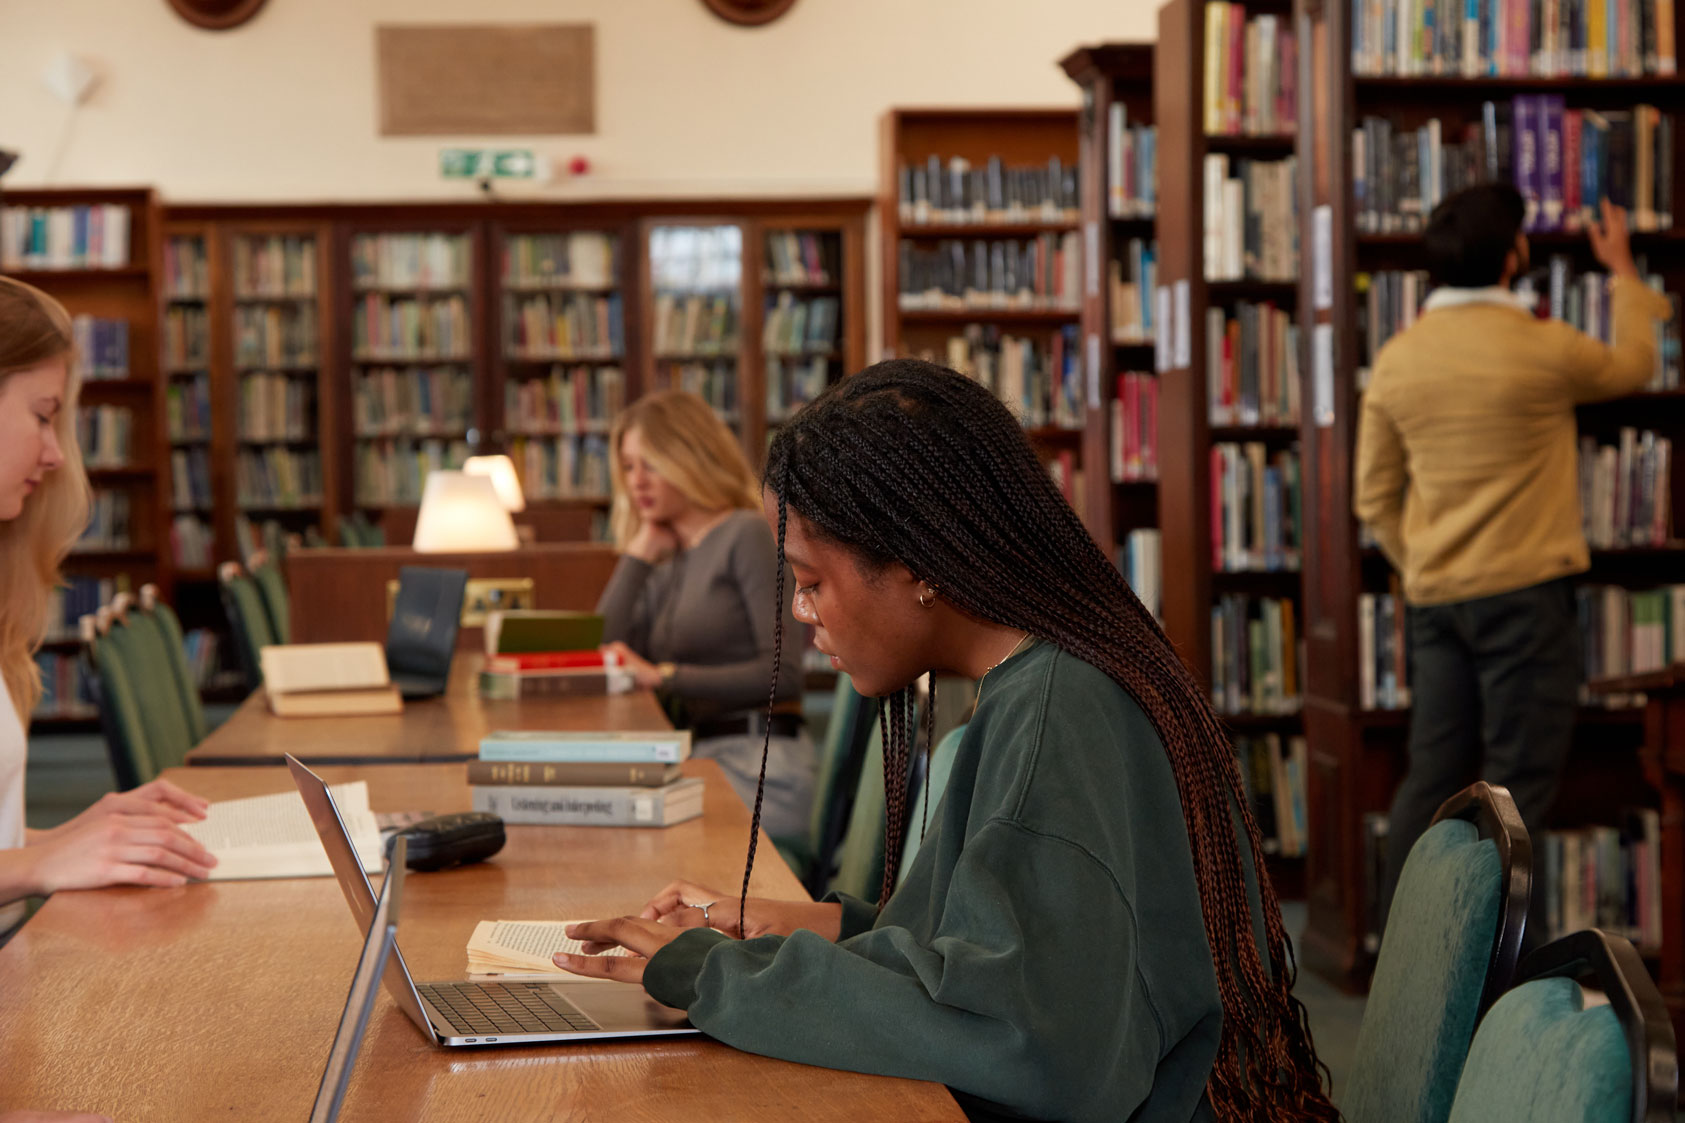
[{"x": 481, "y": 1009}]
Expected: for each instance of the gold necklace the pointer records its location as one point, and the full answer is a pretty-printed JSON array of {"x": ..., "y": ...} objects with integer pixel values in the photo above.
[{"x": 1022, "y": 640}]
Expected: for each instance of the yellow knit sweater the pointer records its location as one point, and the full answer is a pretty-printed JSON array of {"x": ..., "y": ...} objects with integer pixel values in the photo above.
[{"x": 1466, "y": 446}]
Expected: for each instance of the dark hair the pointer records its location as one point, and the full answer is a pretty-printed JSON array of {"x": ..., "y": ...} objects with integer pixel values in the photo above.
[
  {"x": 910, "y": 462},
  {"x": 1470, "y": 234}
]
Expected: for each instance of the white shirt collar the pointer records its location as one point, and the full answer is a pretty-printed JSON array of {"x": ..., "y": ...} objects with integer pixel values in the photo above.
[{"x": 1447, "y": 297}]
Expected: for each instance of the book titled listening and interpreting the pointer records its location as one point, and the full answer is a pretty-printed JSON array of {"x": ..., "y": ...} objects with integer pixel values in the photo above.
[
  {"x": 592, "y": 807},
  {"x": 561, "y": 745}
]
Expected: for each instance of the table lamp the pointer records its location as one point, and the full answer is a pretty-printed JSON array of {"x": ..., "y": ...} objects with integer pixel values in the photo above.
[
  {"x": 461, "y": 513},
  {"x": 501, "y": 471}
]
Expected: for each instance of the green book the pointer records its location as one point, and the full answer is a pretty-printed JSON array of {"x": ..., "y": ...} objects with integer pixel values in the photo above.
[{"x": 521, "y": 631}]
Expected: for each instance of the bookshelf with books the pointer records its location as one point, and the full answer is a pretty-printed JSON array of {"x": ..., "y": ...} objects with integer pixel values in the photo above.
[
  {"x": 813, "y": 315},
  {"x": 1570, "y": 105},
  {"x": 982, "y": 264}
]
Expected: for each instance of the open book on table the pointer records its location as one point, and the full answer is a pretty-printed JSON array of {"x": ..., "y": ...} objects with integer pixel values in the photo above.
[
  {"x": 272, "y": 836},
  {"x": 522, "y": 949}
]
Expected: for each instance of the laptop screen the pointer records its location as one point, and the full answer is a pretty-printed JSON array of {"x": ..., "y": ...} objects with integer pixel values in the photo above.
[
  {"x": 426, "y": 616},
  {"x": 359, "y": 894}
]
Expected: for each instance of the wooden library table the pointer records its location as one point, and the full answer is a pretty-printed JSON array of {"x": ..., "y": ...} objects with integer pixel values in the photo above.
[
  {"x": 430, "y": 730},
  {"x": 220, "y": 1000}
]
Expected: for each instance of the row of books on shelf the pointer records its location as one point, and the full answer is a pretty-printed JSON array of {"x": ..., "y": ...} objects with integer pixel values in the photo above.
[
  {"x": 108, "y": 524},
  {"x": 1630, "y": 631},
  {"x": 1131, "y": 166},
  {"x": 796, "y": 325},
  {"x": 275, "y": 335},
  {"x": 793, "y": 383},
  {"x": 192, "y": 542},
  {"x": 106, "y": 436},
  {"x": 1563, "y": 161},
  {"x": 941, "y": 191},
  {"x": 1626, "y": 491},
  {"x": 801, "y": 258},
  {"x": 274, "y": 478},
  {"x": 388, "y": 328},
  {"x": 695, "y": 324},
  {"x": 714, "y": 381},
  {"x": 390, "y": 472},
  {"x": 66, "y": 694},
  {"x": 576, "y": 400},
  {"x": 1134, "y": 420},
  {"x": 1041, "y": 272},
  {"x": 586, "y": 259},
  {"x": 1383, "y": 678},
  {"x": 102, "y": 347},
  {"x": 1607, "y": 877},
  {"x": 1256, "y": 508},
  {"x": 1133, "y": 277},
  {"x": 190, "y": 479},
  {"x": 558, "y": 325},
  {"x": 187, "y": 408},
  {"x": 389, "y": 401},
  {"x": 570, "y": 467},
  {"x": 95, "y": 236},
  {"x": 410, "y": 261},
  {"x": 1256, "y": 657},
  {"x": 187, "y": 269},
  {"x": 1140, "y": 558},
  {"x": 1252, "y": 365},
  {"x": 277, "y": 407},
  {"x": 187, "y": 337},
  {"x": 74, "y": 597},
  {"x": 274, "y": 267},
  {"x": 1251, "y": 228},
  {"x": 203, "y": 648},
  {"x": 1514, "y": 38},
  {"x": 1041, "y": 379},
  {"x": 1251, "y": 73},
  {"x": 1273, "y": 770}
]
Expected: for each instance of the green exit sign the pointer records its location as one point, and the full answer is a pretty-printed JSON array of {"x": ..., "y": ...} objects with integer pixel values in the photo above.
[{"x": 487, "y": 163}]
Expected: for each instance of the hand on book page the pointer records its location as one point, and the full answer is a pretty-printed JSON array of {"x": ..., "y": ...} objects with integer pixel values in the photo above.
[
  {"x": 522, "y": 948},
  {"x": 272, "y": 835}
]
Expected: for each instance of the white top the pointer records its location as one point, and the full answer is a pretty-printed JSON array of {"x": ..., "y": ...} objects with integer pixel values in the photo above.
[
  {"x": 1447, "y": 297},
  {"x": 13, "y": 747}
]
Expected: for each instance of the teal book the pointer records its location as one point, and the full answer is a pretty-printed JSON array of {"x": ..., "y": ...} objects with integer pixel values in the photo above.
[{"x": 620, "y": 748}]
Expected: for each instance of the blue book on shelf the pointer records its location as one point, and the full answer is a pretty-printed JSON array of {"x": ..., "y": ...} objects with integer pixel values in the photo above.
[
  {"x": 614, "y": 328},
  {"x": 553, "y": 746}
]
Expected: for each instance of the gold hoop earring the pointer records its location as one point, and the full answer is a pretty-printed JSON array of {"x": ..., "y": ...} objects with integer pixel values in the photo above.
[{"x": 927, "y": 597}]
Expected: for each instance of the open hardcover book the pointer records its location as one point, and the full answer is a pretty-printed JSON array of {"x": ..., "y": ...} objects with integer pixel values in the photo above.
[
  {"x": 272, "y": 836},
  {"x": 522, "y": 949},
  {"x": 328, "y": 679}
]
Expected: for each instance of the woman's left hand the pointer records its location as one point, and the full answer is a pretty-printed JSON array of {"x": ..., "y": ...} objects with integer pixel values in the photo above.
[
  {"x": 643, "y": 672},
  {"x": 643, "y": 938}
]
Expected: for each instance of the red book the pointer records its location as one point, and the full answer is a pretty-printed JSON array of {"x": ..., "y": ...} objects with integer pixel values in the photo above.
[
  {"x": 1571, "y": 125},
  {"x": 1131, "y": 387},
  {"x": 1219, "y": 471},
  {"x": 1149, "y": 426},
  {"x": 546, "y": 661}
]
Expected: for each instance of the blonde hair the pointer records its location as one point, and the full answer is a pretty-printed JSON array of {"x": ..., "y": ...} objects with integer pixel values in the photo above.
[
  {"x": 690, "y": 447},
  {"x": 34, "y": 329}
]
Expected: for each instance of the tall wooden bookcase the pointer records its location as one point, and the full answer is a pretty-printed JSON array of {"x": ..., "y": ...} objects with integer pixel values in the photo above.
[{"x": 1358, "y": 753}]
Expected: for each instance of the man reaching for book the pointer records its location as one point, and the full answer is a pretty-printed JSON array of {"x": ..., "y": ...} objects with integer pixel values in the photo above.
[{"x": 1467, "y": 473}]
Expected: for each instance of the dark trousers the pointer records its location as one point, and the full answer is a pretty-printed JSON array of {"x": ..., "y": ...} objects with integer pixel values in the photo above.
[{"x": 1494, "y": 684}]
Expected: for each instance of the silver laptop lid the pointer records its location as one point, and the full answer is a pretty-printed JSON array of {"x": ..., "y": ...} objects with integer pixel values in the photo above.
[
  {"x": 359, "y": 894},
  {"x": 383, "y": 935}
]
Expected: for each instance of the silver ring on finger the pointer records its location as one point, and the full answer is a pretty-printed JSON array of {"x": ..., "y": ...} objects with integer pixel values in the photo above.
[{"x": 706, "y": 923}]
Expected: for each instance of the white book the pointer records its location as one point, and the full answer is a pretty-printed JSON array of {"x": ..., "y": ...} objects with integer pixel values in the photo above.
[
  {"x": 1366, "y": 654},
  {"x": 1116, "y": 130},
  {"x": 269, "y": 836},
  {"x": 116, "y": 236},
  {"x": 522, "y": 949}
]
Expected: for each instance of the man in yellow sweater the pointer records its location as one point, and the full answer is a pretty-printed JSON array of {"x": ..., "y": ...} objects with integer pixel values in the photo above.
[{"x": 1467, "y": 474}]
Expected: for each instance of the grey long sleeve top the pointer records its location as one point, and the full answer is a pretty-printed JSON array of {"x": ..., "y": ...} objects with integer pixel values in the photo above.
[{"x": 709, "y": 610}]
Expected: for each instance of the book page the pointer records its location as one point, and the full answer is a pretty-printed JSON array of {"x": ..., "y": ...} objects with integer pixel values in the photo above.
[
  {"x": 294, "y": 667},
  {"x": 524, "y": 947},
  {"x": 272, "y": 835}
]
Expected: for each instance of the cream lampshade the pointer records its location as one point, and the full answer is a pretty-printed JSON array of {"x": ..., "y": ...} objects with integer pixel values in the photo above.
[
  {"x": 501, "y": 471},
  {"x": 461, "y": 514}
]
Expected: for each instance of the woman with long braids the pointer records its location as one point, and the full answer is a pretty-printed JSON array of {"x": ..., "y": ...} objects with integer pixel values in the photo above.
[{"x": 1085, "y": 933}]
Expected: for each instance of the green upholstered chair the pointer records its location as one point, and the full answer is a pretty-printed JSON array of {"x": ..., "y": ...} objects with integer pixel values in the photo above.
[
  {"x": 936, "y": 782},
  {"x": 1449, "y": 950},
  {"x": 350, "y": 534},
  {"x": 859, "y": 870},
  {"x": 248, "y": 619},
  {"x": 144, "y": 652},
  {"x": 119, "y": 709},
  {"x": 1543, "y": 1054},
  {"x": 175, "y": 644},
  {"x": 834, "y": 782},
  {"x": 272, "y": 587}
]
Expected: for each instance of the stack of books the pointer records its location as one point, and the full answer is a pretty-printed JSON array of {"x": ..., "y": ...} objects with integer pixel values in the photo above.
[
  {"x": 585, "y": 779},
  {"x": 544, "y": 652}
]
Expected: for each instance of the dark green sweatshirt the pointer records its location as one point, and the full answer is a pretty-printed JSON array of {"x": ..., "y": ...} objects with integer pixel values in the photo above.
[{"x": 1044, "y": 958}]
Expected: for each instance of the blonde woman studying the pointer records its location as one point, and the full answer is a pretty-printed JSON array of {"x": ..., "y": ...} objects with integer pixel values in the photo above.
[
  {"x": 692, "y": 606},
  {"x": 132, "y": 838}
]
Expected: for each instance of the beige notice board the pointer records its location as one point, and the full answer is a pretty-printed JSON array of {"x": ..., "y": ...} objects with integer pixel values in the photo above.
[{"x": 487, "y": 79}]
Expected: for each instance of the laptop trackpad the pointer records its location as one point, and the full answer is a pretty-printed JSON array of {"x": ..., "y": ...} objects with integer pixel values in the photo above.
[{"x": 621, "y": 1006}]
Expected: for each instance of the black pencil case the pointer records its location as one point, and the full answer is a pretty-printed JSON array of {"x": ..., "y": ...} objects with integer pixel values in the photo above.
[{"x": 451, "y": 840}]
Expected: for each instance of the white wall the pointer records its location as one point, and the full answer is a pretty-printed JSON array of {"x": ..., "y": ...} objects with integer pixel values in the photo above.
[{"x": 284, "y": 108}]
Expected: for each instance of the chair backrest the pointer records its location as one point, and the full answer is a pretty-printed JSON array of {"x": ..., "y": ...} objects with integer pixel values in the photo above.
[
  {"x": 1543, "y": 1055},
  {"x": 373, "y": 534},
  {"x": 248, "y": 620},
  {"x": 860, "y": 855},
  {"x": 144, "y": 652},
  {"x": 935, "y": 783},
  {"x": 1456, "y": 923},
  {"x": 175, "y": 643},
  {"x": 350, "y": 534},
  {"x": 272, "y": 587},
  {"x": 835, "y": 781},
  {"x": 119, "y": 711}
]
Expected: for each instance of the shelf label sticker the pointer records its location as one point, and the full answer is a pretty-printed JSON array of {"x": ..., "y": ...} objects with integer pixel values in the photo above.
[
  {"x": 1161, "y": 336},
  {"x": 1091, "y": 231},
  {"x": 1322, "y": 257},
  {"x": 1184, "y": 345},
  {"x": 1322, "y": 375},
  {"x": 1093, "y": 370}
]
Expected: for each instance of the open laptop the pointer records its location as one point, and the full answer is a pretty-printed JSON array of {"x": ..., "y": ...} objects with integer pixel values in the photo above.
[
  {"x": 467, "y": 1013},
  {"x": 421, "y": 639}
]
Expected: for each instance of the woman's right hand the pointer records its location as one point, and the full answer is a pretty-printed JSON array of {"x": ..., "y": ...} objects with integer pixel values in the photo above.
[
  {"x": 1610, "y": 243},
  {"x": 653, "y": 542},
  {"x": 678, "y": 905},
  {"x": 118, "y": 849}
]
